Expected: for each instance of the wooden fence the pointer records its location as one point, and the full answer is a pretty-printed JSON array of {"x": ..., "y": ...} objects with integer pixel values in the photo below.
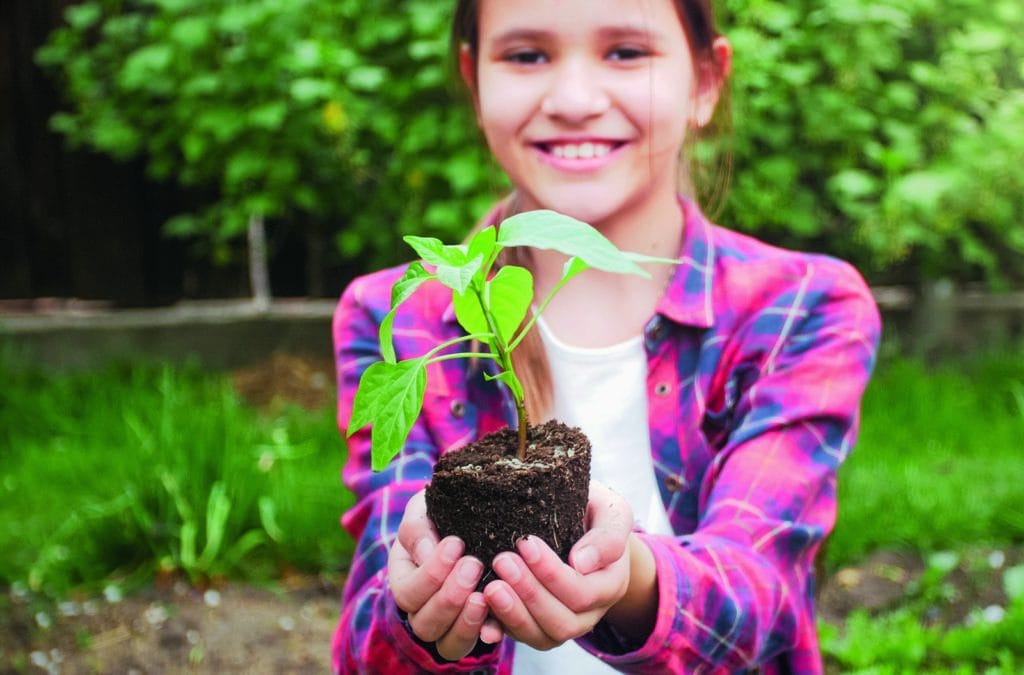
[
  {"x": 940, "y": 322},
  {"x": 78, "y": 224}
]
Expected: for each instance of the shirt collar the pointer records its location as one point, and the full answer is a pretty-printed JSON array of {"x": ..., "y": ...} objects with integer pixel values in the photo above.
[{"x": 688, "y": 297}]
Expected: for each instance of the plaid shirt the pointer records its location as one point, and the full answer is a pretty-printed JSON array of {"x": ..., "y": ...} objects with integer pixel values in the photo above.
[{"x": 757, "y": 360}]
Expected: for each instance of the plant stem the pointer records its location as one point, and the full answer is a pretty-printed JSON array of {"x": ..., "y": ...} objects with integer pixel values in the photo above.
[
  {"x": 524, "y": 424},
  {"x": 504, "y": 358},
  {"x": 463, "y": 355},
  {"x": 455, "y": 341}
]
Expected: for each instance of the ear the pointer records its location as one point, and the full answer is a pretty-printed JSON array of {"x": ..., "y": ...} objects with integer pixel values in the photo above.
[
  {"x": 467, "y": 68},
  {"x": 711, "y": 78}
]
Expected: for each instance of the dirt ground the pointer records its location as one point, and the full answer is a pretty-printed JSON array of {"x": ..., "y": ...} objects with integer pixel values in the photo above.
[
  {"x": 173, "y": 629},
  {"x": 170, "y": 627}
]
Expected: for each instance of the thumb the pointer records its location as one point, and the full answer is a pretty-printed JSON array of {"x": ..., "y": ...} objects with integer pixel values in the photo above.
[{"x": 609, "y": 520}]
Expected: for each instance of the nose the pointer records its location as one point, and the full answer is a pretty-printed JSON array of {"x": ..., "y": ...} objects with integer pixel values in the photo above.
[{"x": 575, "y": 93}]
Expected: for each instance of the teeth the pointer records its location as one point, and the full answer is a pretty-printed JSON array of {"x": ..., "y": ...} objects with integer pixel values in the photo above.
[{"x": 581, "y": 151}]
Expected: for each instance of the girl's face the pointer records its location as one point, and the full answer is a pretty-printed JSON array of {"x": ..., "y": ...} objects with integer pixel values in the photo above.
[{"x": 585, "y": 103}]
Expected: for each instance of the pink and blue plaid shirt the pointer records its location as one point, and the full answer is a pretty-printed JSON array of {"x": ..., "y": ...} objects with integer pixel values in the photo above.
[{"x": 757, "y": 360}]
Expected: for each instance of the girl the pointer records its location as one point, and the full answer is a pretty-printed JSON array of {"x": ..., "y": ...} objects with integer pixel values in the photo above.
[{"x": 720, "y": 397}]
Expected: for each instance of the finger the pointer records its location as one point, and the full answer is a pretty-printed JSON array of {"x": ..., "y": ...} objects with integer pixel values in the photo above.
[
  {"x": 464, "y": 633},
  {"x": 491, "y": 632},
  {"x": 416, "y": 532},
  {"x": 564, "y": 586},
  {"x": 441, "y": 610},
  {"x": 515, "y": 619},
  {"x": 609, "y": 521},
  {"x": 413, "y": 585},
  {"x": 555, "y": 618}
]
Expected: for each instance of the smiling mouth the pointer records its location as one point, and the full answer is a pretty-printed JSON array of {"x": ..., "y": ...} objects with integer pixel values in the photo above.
[{"x": 584, "y": 150}]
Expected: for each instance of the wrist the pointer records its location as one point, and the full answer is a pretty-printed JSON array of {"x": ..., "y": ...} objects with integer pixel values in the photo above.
[{"x": 636, "y": 611}]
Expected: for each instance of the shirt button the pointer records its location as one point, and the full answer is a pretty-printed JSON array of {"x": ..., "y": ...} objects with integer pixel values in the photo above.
[
  {"x": 662, "y": 389},
  {"x": 458, "y": 409},
  {"x": 657, "y": 331},
  {"x": 673, "y": 483}
]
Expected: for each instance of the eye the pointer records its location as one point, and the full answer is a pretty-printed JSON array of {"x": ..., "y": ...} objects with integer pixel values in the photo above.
[
  {"x": 526, "y": 57},
  {"x": 628, "y": 53}
]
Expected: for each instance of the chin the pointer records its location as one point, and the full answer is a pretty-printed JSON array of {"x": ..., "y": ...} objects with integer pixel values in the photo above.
[{"x": 589, "y": 207}]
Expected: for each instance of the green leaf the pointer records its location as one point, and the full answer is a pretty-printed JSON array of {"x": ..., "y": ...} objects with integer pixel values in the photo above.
[
  {"x": 551, "y": 230},
  {"x": 509, "y": 295},
  {"x": 506, "y": 297},
  {"x": 269, "y": 116},
  {"x": 510, "y": 379},
  {"x": 469, "y": 313},
  {"x": 644, "y": 258},
  {"x": 268, "y": 518},
  {"x": 436, "y": 252},
  {"x": 483, "y": 244},
  {"x": 309, "y": 89},
  {"x": 454, "y": 268},
  {"x": 413, "y": 278},
  {"x": 191, "y": 32},
  {"x": 390, "y": 396},
  {"x": 458, "y": 278},
  {"x": 366, "y": 78},
  {"x": 83, "y": 16},
  {"x": 146, "y": 65},
  {"x": 218, "y": 507},
  {"x": 854, "y": 183}
]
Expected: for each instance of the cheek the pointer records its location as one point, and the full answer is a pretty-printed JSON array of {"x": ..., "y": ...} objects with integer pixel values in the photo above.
[
  {"x": 504, "y": 104},
  {"x": 668, "y": 111}
]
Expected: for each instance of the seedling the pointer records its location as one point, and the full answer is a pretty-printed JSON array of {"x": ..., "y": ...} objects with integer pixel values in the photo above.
[{"x": 490, "y": 307}]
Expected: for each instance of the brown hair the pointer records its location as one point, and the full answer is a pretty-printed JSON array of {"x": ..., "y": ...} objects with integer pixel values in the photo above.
[{"x": 697, "y": 18}]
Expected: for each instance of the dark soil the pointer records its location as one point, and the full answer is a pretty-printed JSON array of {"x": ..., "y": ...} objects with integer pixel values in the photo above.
[
  {"x": 173, "y": 629},
  {"x": 490, "y": 499}
]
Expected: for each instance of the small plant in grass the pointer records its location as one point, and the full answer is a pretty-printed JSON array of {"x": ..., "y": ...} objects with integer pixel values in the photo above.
[{"x": 503, "y": 475}]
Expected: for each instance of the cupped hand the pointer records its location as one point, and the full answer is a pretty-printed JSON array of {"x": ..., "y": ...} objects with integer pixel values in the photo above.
[
  {"x": 541, "y": 601},
  {"x": 433, "y": 582}
]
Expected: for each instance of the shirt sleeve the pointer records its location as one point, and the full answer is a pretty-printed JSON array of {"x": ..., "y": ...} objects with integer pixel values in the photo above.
[
  {"x": 372, "y": 635},
  {"x": 738, "y": 592}
]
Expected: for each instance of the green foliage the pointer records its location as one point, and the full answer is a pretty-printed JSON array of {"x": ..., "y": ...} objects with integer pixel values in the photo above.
[
  {"x": 129, "y": 470},
  {"x": 336, "y": 112},
  {"x": 885, "y": 131},
  {"x": 490, "y": 308}
]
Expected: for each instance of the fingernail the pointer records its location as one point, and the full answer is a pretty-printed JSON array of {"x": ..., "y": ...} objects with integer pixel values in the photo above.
[
  {"x": 451, "y": 550},
  {"x": 585, "y": 560},
  {"x": 476, "y": 612},
  {"x": 529, "y": 550},
  {"x": 469, "y": 572},
  {"x": 501, "y": 600},
  {"x": 424, "y": 547},
  {"x": 507, "y": 569}
]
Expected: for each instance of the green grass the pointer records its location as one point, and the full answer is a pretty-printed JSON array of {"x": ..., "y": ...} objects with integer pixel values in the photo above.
[
  {"x": 940, "y": 459},
  {"x": 136, "y": 468},
  {"x": 938, "y": 467}
]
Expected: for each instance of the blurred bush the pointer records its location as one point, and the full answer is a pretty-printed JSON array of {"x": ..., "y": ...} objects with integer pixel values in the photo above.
[{"x": 886, "y": 132}]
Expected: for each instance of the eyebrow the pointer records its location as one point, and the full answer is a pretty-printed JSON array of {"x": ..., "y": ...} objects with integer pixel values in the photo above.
[{"x": 606, "y": 33}]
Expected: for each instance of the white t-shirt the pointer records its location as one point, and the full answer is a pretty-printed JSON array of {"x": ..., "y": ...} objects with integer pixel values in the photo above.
[{"x": 603, "y": 392}]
